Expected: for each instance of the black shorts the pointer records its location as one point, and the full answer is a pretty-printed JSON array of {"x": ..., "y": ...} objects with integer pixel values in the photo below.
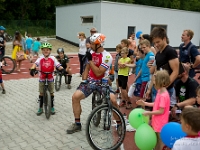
[{"x": 122, "y": 81}]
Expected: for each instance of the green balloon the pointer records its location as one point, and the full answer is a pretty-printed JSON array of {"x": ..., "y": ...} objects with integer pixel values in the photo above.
[
  {"x": 136, "y": 118},
  {"x": 145, "y": 137}
]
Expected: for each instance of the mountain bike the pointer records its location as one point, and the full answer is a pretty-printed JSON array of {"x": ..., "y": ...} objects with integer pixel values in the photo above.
[
  {"x": 58, "y": 79},
  {"x": 46, "y": 95},
  {"x": 105, "y": 134},
  {"x": 7, "y": 64}
]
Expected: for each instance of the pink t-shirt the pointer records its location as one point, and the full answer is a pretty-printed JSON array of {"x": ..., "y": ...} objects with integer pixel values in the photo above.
[{"x": 163, "y": 101}]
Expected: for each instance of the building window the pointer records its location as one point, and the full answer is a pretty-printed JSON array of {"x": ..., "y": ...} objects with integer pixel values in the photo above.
[
  {"x": 159, "y": 25},
  {"x": 87, "y": 19}
]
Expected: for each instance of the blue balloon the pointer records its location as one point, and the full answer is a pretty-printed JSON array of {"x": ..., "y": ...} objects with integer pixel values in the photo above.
[
  {"x": 138, "y": 34},
  {"x": 170, "y": 133}
]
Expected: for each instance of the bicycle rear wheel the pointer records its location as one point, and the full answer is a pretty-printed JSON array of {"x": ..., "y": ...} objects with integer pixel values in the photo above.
[
  {"x": 47, "y": 104},
  {"x": 8, "y": 65},
  {"x": 58, "y": 81},
  {"x": 106, "y": 135}
]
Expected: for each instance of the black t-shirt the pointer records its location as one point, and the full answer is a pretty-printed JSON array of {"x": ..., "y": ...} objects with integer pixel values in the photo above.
[
  {"x": 2, "y": 39},
  {"x": 186, "y": 90},
  {"x": 63, "y": 61},
  {"x": 130, "y": 53},
  {"x": 163, "y": 58},
  {"x": 88, "y": 40}
]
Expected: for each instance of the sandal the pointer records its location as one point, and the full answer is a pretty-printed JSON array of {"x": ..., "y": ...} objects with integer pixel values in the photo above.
[{"x": 128, "y": 105}]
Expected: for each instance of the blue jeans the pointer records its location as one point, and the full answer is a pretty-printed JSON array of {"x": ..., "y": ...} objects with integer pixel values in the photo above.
[{"x": 154, "y": 92}]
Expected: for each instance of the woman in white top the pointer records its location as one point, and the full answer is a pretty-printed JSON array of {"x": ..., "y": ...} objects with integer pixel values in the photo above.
[{"x": 82, "y": 50}]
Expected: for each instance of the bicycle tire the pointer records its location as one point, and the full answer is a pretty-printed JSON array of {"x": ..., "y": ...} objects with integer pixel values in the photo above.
[
  {"x": 96, "y": 101},
  {"x": 8, "y": 66},
  {"x": 47, "y": 104},
  {"x": 119, "y": 140},
  {"x": 58, "y": 81}
]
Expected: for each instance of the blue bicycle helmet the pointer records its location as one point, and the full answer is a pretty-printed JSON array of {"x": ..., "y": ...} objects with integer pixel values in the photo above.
[{"x": 2, "y": 28}]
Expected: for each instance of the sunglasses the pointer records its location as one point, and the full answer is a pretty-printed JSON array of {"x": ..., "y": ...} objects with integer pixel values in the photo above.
[{"x": 93, "y": 31}]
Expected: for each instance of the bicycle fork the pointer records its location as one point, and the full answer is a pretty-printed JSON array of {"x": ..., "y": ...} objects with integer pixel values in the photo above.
[{"x": 108, "y": 117}]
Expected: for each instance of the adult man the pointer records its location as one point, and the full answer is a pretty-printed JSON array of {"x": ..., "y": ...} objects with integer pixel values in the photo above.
[
  {"x": 2, "y": 42},
  {"x": 165, "y": 55},
  {"x": 185, "y": 89},
  {"x": 92, "y": 31},
  {"x": 184, "y": 53},
  {"x": 64, "y": 61},
  {"x": 98, "y": 65}
]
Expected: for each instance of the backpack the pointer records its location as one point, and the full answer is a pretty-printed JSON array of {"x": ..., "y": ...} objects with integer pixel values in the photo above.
[{"x": 189, "y": 48}]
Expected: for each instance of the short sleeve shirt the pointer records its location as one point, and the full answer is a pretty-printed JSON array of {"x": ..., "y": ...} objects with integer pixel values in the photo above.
[
  {"x": 63, "y": 61},
  {"x": 162, "y": 101},
  {"x": 186, "y": 90},
  {"x": 187, "y": 143},
  {"x": 36, "y": 46},
  {"x": 29, "y": 43},
  {"x": 47, "y": 65},
  {"x": 137, "y": 70},
  {"x": 124, "y": 71},
  {"x": 103, "y": 59},
  {"x": 164, "y": 57},
  {"x": 145, "y": 74}
]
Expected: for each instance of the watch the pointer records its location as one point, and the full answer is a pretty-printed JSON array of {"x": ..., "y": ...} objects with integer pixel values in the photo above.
[{"x": 176, "y": 106}]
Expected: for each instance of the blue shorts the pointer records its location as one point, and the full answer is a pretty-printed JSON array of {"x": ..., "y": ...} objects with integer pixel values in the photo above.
[
  {"x": 1, "y": 81},
  {"x": 137, "y": 89},
  {"x": 88, "y": 88}
]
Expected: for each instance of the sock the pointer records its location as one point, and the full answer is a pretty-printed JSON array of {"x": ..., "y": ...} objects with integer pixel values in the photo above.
[
  {"x": 77, "y": 121},
  {"x": 52, "y": 99},
  {"x": 69, "y": 79},
  {"x": 41, "y": 101}
]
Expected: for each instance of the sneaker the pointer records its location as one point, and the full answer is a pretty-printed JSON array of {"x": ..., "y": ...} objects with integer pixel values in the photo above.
[
  {"x": 74, "y": 128},
  {"x": 119, "y": 129},
  {"x": 117, "y": 91},
  {"x": 40, "y": 111},
  {"x": 69, "y": 86},
  {"x": 52, "y": 111},
  {"x": 4, "y": 91}
]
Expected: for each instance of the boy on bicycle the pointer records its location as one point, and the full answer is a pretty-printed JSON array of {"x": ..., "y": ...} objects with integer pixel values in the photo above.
[
  {"x": 64, "y": 61},
  {"x": 46, "y": 63}
]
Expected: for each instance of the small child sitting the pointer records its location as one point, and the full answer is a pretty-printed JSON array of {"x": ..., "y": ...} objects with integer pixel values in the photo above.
[{"x": 190, "y": 122}]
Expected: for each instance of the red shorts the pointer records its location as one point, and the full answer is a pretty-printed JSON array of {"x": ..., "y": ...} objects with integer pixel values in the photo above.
[{"x": 142, "y": 89}]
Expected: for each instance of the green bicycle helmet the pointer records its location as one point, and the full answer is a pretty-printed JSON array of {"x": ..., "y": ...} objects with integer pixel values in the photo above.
[{"x": 46, "y": 45}]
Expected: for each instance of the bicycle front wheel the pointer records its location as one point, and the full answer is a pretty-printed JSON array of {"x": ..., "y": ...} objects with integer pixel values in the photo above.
[
  {"x": 8, "y": 65},
  {"x": 47, "y": 104},
  {"x": 108, "y": 135},
  {"x": 58, "y": 82}
]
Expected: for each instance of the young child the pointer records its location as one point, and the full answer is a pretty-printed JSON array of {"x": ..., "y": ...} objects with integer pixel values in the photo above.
[
  {"x": 123, "y": 76},
  {"x": 190, "y": 122},
  {"x": 145, "y": 72},
  {"x": 46, "y": 63},
  {"x": 1, "y": 82},
  {"x": 36, "y": 47},
  {"x": 117, "y": 57},
  {"x": 29, "y": 42},
  {"x": 160, "y": 113},
  {"x": 137, "y": 80}
]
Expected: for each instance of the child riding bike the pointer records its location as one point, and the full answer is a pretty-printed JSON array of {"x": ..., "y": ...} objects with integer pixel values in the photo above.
[
  {"x": 46, "y": 63},
  {"x": 64, "y": 61}
]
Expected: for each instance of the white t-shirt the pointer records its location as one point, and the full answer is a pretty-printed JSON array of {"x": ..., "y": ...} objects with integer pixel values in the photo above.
[
  {"x": 82, "y": 47},
  {"x": 187, "y": 143}
]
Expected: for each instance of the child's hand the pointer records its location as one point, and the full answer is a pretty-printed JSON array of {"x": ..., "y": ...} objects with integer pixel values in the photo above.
[
  {"x": 146, "y": 113},
  {"x": 140, "y": 102}
]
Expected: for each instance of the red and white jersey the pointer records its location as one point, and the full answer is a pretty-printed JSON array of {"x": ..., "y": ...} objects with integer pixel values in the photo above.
[
  {"x": 103, "y": 59},
  {"x": 187, "y": 143},
  {"x": 47, "y": 65}
]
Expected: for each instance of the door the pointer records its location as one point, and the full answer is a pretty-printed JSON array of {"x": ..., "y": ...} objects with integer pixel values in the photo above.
[{"x": 131, "y": 29}]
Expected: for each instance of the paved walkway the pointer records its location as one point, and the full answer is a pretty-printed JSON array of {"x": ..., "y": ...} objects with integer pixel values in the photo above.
[{"x": 22, "y": 129}]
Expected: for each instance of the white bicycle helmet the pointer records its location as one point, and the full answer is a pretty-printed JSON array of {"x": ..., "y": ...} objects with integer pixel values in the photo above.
[{"x": 98, "y": 38}]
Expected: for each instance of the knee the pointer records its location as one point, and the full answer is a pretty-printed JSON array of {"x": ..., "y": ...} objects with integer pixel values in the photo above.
[{"x": 75, "y": 98}]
